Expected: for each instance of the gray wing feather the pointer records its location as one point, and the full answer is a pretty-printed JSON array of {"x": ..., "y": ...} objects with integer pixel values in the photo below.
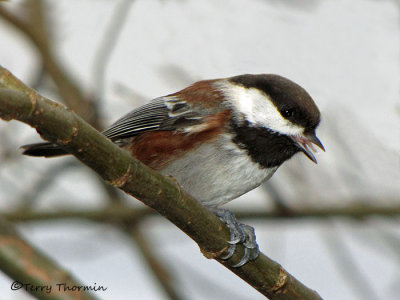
[{"x": 165, "y": 113}]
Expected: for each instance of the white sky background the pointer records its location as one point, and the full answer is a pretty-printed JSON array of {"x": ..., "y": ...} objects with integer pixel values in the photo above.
[{"x": 344, "y": 53}]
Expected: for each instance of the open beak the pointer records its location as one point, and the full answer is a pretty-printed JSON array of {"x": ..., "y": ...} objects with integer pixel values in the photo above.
[{"x": 306, "y": 144}]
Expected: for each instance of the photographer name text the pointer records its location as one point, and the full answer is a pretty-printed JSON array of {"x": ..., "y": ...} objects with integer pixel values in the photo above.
[{"x": 58, "y": 287}]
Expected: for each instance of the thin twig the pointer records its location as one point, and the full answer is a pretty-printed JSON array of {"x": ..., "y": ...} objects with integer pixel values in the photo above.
[
  {"x": 28, "y": 197},
  {"x": 107, "y": 46},
  {"x": 121, "y": 213},
  {"x": 346, "y": 264},
  {"x": 163, "y": 277},
  {"x": 37, "y": 34}
]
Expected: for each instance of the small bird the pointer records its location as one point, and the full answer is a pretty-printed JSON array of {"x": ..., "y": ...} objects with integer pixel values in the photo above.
[{"x": 219, "y": 139}]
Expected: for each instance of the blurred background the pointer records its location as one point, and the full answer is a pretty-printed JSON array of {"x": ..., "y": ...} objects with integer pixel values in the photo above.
[{"x": 334, "y": 226}]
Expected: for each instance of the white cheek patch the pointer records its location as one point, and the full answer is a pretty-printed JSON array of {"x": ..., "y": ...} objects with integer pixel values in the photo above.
[{"x": 258, "y": 109}]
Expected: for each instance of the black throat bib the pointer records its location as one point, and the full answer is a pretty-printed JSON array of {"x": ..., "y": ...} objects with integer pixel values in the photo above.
[{"x": 265, "y": 147}]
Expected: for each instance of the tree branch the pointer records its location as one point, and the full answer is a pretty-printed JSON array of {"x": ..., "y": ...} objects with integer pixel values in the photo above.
[
  {"x": 161, "y": 274},
  {"x": 31, "y": 268},
  {"x": 117, "y": 213},
  {"x": 58, "y": 124},
  {"x": 35, "y": 28},
  {"x": 107, "y": 45}
]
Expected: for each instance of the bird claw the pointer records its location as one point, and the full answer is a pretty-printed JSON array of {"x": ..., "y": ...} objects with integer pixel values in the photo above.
[
  {"x": 234, "y": 242},
  {"x": 245, "y": 258},
  {"x": 239, "y": 234},
  {"x": 231, "y": 250}
]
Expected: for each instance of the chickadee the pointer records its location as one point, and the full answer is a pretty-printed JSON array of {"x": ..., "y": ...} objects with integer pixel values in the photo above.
[{"x": 219, "y": 139}]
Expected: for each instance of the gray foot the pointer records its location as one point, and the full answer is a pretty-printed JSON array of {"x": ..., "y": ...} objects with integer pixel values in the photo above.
[{"x": 240, "y": 234}]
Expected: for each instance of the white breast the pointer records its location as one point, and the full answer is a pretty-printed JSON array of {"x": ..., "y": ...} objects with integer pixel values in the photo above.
[{"x": 216, "y": 173}]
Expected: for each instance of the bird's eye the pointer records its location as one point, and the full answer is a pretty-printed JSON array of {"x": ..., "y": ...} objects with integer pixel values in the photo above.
[{"x": 288, "y": 113}]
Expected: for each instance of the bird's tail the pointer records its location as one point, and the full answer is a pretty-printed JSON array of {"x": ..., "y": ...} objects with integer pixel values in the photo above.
[{"x": 43, "y": 149}]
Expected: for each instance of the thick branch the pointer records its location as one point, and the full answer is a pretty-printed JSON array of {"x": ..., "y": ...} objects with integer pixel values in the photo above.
[
  {"x": 57, "y": 124},
  {"x": 35, "y": 29}
]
